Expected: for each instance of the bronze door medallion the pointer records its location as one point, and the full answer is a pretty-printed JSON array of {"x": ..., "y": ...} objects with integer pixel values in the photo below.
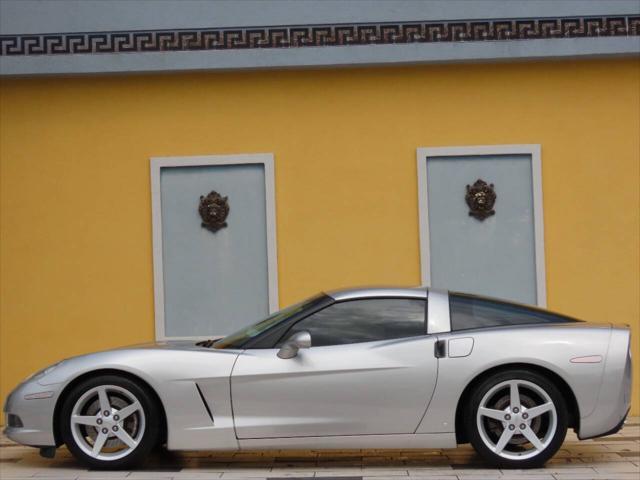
[
  {"x": 214, "y": 210},
  {"x": 481, "y": 198}
]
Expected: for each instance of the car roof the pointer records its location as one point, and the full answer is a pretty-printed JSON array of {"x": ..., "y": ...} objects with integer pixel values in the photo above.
[{"x": 376, "y": 292}]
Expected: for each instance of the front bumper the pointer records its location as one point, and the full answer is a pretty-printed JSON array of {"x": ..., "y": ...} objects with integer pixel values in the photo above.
[{"x": 35, "y": 427}]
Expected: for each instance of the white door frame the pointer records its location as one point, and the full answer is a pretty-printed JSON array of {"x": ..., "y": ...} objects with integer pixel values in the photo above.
[
  {"x": 536, "y": 174},
  {"x": 158, "y": 163}
]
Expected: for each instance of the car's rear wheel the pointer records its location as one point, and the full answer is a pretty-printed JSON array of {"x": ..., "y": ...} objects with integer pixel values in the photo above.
[
  {"x": 517, "y": 419},
  {"x": 110, "y": 422}
]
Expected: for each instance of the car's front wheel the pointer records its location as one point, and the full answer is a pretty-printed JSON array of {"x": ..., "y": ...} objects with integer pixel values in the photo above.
[
  {"x": 110, "y": 422},
  {"x": 517, "y": 419}
]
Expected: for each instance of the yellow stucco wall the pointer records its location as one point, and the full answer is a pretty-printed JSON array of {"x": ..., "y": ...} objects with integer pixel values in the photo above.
[{"x": 76, "y": 261}]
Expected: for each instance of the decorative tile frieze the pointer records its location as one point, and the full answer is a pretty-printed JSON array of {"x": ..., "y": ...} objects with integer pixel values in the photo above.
[{"x": 334, "y": 35}]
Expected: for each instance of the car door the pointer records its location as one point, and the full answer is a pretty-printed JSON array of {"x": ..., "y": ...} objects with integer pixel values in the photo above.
[{"x": 371, "y": 369}]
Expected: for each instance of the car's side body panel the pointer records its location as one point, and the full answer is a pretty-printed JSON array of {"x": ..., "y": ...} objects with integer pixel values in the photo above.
[
  {"x": 172, "y": 371},
  {"x": 378, "y": 387},
  {"x": 426, "y": 440},
  {"x": 550, "y": 346},
  {"x": 36, "y": 414},
  {"x": 614, "y": 395}
]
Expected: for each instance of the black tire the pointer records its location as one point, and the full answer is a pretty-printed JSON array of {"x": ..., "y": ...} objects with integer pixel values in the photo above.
[
  {"x": 554, "y": 441},
  {"x": 149, "y": 437}
]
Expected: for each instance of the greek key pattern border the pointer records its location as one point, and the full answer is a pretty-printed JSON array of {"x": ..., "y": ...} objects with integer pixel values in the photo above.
[{"x": 300, "y": 36}]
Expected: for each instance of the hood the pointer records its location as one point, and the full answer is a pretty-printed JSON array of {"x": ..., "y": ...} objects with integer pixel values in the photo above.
[
  {"x": 135, "y": 359},
  {"x": 165, "y": 345}
]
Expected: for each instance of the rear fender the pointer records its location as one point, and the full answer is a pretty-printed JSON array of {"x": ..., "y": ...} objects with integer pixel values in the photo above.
[{"x": 548, "y": 347}]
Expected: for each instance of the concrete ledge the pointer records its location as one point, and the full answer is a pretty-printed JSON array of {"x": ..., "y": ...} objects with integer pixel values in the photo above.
[{"x": 313, "y": 57}]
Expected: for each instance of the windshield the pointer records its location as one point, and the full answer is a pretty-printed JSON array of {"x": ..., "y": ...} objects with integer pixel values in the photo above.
[{"x": 237, "y": 339}]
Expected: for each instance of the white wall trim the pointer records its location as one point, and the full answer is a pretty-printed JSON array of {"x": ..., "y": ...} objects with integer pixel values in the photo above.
[
  {"x": 158, "y": 163},
  {"x": 536, "y": 175}
]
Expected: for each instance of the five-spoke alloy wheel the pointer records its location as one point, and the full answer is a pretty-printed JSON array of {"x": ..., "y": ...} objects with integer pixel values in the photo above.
[
  {"x": 110, "y": 422},
  {"x": 517, "y": 419}
]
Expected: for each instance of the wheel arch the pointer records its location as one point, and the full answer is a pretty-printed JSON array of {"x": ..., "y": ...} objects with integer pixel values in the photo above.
[
  {"x": 106, "y": 371},
  {"x": 560, "y": 383}
]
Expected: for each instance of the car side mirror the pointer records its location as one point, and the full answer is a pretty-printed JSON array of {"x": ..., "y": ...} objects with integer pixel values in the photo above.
[{"x": 294, "y": 343}]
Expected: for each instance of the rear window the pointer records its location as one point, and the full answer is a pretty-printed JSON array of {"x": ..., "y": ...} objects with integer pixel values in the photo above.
[{"x": 469, "y": 311}]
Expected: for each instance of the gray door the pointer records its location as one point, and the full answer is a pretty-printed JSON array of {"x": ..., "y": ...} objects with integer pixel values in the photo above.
[
  {"x": 214, "y": 282},
  {"x": 370, "y": 370},
  {"x": 354, "y": 389},
  {"x": 495, "y": 256}
]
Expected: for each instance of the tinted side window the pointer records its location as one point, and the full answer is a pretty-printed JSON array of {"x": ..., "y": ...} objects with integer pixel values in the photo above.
[
  {"x": 468, "y": 312},
  {"x": 367, "y": 320}
]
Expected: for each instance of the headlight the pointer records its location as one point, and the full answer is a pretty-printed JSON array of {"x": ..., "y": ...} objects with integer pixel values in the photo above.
[{"x": 42, "y": 373}]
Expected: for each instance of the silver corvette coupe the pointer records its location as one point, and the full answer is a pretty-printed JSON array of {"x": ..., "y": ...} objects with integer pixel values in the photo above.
[{"x": 368, "y": 368}]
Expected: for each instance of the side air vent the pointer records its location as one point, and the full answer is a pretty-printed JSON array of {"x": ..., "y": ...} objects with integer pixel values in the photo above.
[{"x": 204, "y": 402}]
